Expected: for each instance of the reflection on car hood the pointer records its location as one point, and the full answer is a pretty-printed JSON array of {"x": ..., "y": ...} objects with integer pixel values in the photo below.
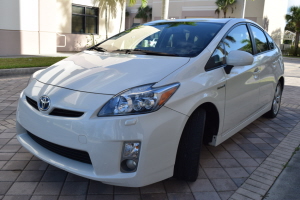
[{"x": 106, "y": 73}]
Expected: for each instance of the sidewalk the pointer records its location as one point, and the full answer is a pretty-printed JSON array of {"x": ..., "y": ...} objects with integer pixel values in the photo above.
[{"x": 287, "y": 184}]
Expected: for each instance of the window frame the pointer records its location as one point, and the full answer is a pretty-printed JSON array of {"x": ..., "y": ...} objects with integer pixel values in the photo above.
[
  {"x": 85, "y": 16},
  {"x": 225, "y": 35},
  {"x": 274, "y": 44},
  {"x": 254, "y": 46}
]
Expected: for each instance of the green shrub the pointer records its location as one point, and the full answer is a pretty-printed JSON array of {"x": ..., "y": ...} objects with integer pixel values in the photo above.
[{"x": 290, "y": 51}]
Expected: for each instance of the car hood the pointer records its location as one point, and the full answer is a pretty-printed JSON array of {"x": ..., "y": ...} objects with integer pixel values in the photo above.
[{"x": 108, "y": 73}]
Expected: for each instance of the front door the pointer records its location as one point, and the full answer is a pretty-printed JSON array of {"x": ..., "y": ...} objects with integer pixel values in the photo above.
[{"x": 242, "y": 87}]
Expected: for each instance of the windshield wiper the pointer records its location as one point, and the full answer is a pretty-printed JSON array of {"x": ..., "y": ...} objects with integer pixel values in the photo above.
[
  {"x": 148, "y": 52},
  {"x": 127, "y": 51},
  {"x": 98, "y": 49},
  {"x": 156, "y": 53}
]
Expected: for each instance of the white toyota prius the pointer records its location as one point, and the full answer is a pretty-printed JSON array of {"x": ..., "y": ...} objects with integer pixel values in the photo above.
[{"x": 129, "y": 112}]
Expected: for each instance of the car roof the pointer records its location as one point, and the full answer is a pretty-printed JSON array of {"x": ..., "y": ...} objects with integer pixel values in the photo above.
[{"x": 214, "y": 20}]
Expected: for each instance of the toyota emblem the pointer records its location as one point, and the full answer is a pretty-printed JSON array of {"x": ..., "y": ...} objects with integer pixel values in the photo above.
[{"x": 44, "y": 103}]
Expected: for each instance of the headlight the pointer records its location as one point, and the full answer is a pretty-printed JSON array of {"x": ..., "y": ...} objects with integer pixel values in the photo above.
[{"x": 138, "y": 100}]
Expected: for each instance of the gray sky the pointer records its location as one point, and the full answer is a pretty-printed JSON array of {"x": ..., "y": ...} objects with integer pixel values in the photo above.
[{"x": 293, "y": 3}]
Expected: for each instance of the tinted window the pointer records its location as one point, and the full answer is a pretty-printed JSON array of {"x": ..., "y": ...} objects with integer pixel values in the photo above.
[
  {"x": 271, "y": 42},
  {"x": 186, "y": 39},
  {"x": 238, "y": 39},
  {"x": 260, "y": 40},
  {"x": 217, "y": 58}
]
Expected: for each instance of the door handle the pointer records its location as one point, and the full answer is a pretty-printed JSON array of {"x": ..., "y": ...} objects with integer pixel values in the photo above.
[{"x": 256, "y": 71}]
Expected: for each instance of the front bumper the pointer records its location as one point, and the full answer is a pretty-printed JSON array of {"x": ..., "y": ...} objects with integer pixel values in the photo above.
[{"x": 103, "y": 138}]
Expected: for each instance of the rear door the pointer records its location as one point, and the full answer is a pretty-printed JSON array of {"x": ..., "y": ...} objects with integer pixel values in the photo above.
[
  {"x": 242, "y": 86},
  {"x": 266, "y": 55}
]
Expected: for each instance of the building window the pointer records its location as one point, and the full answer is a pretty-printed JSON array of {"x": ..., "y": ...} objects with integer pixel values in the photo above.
[{"x": 84, "y": 19}]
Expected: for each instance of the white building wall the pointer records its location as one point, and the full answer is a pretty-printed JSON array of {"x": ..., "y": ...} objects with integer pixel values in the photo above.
[
  {"x": 78, "y": 42},
  {"x": 27, "y": 27},
  {"x": 7, "y": 20},
  {"x": 84, "y": 2},
  {"x": 29, "y": 15}
]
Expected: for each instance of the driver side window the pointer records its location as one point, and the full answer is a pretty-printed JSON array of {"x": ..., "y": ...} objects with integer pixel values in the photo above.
[{"x": 237, "y": 39}]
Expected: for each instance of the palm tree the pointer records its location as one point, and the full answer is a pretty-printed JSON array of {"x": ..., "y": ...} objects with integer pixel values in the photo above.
[
  {"x": 123, "y": 6},
  {"x": 224, "y": 5},
  {"x": 228, "y": 39},
  {"x": 132, "y": 3},
  {"x": 244, "y": 8},
  {"x": 110, "y": 8},
  {"x": 144, "y": 13},
  {"x": 293, "y": 19}
]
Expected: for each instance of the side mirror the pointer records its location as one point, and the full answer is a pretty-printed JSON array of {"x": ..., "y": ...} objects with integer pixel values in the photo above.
[{"x": 238, "y": 58}]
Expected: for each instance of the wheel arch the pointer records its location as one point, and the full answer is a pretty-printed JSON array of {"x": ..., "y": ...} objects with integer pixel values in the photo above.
[
  {"x": 281, "y": 80},
  {"x": 212, "y": 122}
]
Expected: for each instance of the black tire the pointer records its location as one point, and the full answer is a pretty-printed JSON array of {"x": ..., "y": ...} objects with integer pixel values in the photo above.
[
  {"x": 275, "y": 102},
  {"x": 188, "y": 152}
]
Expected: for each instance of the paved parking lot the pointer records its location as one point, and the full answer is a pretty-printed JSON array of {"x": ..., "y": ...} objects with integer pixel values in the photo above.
[{"x": 223, "y": 169}]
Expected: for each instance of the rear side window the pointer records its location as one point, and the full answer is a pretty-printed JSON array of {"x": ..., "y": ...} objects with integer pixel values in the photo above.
[
  {"x": 260, "y": 40},
  {"x": 271, "y": 42},
  {"x": 238, "y": 39}
]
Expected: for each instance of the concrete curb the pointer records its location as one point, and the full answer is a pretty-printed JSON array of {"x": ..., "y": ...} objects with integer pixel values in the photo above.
[
  {"x": 260, "y": 181},
  {"x": 19, "y": 71}
]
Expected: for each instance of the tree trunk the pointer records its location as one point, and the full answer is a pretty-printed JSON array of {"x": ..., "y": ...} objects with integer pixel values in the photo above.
[
  {"x": 106, "y": 22},
  {"x": 244, "y": 9},
  {"x": 225, "y": 14},
  {"x": 296, "y": 43},
  {"x": 122, "y": 13},
  {"x": 165, "y": 9}
]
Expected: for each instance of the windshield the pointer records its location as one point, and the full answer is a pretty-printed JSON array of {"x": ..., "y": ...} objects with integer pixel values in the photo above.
[{"x": 184, "y": 39}]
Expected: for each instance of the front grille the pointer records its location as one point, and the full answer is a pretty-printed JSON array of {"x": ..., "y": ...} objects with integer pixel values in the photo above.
[
  {"x": 65, "y": 113},
  {"x": 56, "y": 111},
  {"x": 32, "y": 102},
  {"x": 73, "y": 154}
]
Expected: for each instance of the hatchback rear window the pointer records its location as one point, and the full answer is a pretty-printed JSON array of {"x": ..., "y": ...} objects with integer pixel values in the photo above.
[{"x": 184, "y": 39}]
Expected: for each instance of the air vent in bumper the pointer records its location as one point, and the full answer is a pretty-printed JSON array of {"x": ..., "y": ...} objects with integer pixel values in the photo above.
[
  {"x": 73, "y": 154},
  {"x": 32, "y": 102},
  {"x": 65, "y": 113}
]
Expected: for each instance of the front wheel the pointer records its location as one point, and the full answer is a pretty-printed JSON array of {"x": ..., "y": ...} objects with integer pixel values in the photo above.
[
  {"x": 188, "y": 152},
  {"x": 275, "y": 103}
]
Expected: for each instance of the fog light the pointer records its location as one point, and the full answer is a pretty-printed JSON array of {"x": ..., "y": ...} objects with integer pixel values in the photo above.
[
  {"x": 131, "y": 164},
  {"x": 130, "y": 156}
]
